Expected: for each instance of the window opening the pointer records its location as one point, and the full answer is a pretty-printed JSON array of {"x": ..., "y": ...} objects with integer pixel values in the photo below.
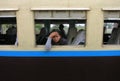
[
  {"x": 111, "y": 29},
  {"x": 73, "y": 22},
  {"x": 8, "y": 28}
]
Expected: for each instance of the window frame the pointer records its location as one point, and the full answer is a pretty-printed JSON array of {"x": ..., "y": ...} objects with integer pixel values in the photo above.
[
  {"x": 13, "y": 18},
  {"x": 57, "y": 47},
  {"x": 110, "y": 20}
]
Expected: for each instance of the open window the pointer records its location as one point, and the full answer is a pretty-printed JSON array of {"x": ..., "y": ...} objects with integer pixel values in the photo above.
[
  {"x": 111, "y": 30},
  {"x": 8, "y": 28},
  {"x": 72, "y": 20}
]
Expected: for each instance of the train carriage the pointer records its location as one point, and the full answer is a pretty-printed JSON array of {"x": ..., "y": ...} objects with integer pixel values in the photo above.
[{"x": 24, "y": 58}]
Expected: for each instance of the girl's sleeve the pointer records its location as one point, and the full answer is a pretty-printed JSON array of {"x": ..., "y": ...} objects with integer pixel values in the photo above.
[{"x": 48, "y": 44}]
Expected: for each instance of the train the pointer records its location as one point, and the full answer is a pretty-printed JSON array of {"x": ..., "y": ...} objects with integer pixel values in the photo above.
[{"x": 96, "y": 59}]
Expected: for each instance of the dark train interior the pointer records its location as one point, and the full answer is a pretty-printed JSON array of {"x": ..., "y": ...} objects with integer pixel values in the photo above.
[
  {"x": 110, "y": 37},
  {"x": 50, "y": 24},
  {"x": 8, "y": 30}
]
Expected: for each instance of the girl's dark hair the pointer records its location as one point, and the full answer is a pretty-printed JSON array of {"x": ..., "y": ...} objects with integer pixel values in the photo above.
[{"x": 56, "y": 30}]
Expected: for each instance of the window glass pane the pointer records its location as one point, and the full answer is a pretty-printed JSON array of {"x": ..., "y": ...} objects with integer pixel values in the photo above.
[
  {"x": 78, "y": 14},
  {"x": 111, "y": 14},
  {"x": 60, "y": 14},
  {"x": 7, "y": 14},
  {"x": 43, "y": 14}
]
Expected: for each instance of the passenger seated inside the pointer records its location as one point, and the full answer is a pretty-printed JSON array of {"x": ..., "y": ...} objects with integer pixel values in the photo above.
[
  {"x": 55, "y": 38},
  {"x": 11, "y": 33},
  {"x": 61, "y": 27},
  {"x": 80, "y": 38},
  {"x": 72, "y": 32},
  {"x": 114, "y": 39},
  {"x": 42, "y": 37}
]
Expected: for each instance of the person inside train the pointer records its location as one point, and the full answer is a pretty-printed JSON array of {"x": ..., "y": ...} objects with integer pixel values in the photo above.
[
  {"x": 11, "y": 31},
  {"x": 11, "y": 35},
  {"x": 80, "y": 38},
  {"x": 61, "y": 28},
  {"x": 114, "y": 35},
  {"x": 55, "y": 38},
  {"x": 42, "y": 36},
  {"x": 72, "y": 32}
]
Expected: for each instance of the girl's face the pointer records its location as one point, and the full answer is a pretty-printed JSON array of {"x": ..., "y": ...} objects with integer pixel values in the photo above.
[{"x": 57, "y": 37}]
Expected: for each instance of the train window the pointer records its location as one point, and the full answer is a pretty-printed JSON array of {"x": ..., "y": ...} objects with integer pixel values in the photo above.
[
  {"x": 73, "y": 24},
  {"x": 111, "y": 30},
  {"x": 8, "y": 28}
]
